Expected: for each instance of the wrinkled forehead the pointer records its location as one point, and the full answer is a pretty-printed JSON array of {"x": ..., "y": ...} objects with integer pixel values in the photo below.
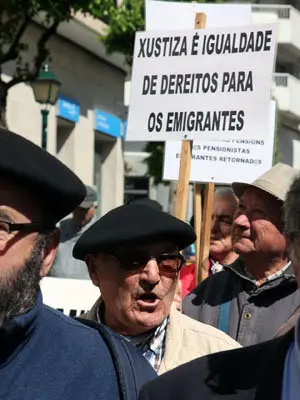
[
  {"x": 224, "y": 205},
  {"x": 17, "y": 199},
  {"x": 255, "y": 196}
]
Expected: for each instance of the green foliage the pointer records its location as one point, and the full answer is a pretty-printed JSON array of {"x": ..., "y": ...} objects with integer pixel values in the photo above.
[
  {"x": 124, "y": 21},
  {"x": 15, "y": 17},
  {"x": 155, "y": 160}
]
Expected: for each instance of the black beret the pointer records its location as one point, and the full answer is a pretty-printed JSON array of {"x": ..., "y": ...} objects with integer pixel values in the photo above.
[
  {"x": 148, "y": 202},
  {"x": 132, "y": 223},
  {"x": 55, "y": 185}
]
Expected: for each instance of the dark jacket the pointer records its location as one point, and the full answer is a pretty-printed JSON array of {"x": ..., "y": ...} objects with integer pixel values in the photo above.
[
  {"x": 65, "y": 265},
  {"x": 255, "y": 313},
  {"x": 250, "y": 373},
  {"x": 45, "y": 355}
]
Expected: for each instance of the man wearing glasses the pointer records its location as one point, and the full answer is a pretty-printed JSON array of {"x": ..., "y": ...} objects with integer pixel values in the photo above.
[
  {"x": 266, "y": 371},
  {"x": 133, "y": 256},
  {"x": 43, "y": 354},
  {"x": 255, "y": 295}
]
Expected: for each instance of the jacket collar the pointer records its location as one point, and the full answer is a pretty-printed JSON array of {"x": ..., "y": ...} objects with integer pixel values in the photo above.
[
  {"x": 18, "y": 330},
  {"x": 173, "y": 332},
  {"x": 238, "y": 268},
  {"x": 265, "y": 364},
  {"x": 270, "y": 383}
]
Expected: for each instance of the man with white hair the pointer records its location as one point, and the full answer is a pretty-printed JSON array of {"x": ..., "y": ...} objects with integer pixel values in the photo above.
[{"x": 255, "y": 295}]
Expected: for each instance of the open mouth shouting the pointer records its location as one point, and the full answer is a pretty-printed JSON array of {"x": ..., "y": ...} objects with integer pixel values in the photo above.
[{"x": 148, "y": 301}]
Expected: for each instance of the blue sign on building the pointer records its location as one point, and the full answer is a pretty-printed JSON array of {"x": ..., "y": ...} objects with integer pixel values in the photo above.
[
  {"x": 124, "y": 129},
  {"x": 107, "y": 123},
  {"x": 68, "y": 109}
]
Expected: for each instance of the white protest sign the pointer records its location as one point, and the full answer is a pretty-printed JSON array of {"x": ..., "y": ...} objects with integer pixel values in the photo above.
[
  {"x": 163, "y": 15},
  {"x": 201, "y": 85},
  {"x": 73, "y": 296},
  {"x": 225, "y": 161}
]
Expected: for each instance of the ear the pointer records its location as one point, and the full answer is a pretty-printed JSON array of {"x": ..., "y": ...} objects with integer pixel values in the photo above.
[
  {"x": 49, "y": 253},
  {"x": 92, "y": 268}
]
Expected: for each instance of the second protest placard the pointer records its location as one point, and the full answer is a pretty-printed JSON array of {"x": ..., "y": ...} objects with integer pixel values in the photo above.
[{"x": 201, "y": 85}]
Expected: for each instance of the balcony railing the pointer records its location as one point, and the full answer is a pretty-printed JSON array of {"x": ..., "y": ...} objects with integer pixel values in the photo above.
[
  {"x": 282, "y": 11},
  {"x": 281, "y": 79}
]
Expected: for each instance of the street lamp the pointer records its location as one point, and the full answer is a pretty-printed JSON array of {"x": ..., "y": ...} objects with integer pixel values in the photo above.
[{"x": 46, "y": 89}]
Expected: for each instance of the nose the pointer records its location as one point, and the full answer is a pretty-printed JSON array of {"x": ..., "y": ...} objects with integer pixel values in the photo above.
[
  {"x": 151, "y": 272},
  {"x": 242, "y": 220}
]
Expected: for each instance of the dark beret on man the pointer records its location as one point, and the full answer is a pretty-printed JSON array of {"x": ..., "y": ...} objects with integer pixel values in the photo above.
[
  {"x": 55, "y": 185},
  {"x": 132, "y": 224}
]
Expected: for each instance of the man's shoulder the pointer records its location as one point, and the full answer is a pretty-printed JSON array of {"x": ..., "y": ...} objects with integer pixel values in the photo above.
[
  {"x": 206, "y": 333},
  {"x": 214, "y": 283},
  {"x": 215, "y": 279},
  {"x": 67, "y": 229},
  {"x": 68, "y": 328},
  {"x": 212, "y": 376}
]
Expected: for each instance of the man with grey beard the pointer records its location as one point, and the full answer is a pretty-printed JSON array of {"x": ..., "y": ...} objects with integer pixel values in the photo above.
[
  {"x": 44, "y": 354},
  {"x": 18, "y": 294}
]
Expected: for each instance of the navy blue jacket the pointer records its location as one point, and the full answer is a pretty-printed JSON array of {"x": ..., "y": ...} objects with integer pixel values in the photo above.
[{"x": 45, "y": 355}]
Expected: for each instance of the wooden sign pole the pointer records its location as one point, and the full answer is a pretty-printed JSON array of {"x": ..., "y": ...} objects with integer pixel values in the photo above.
[
  {"x": 206, "y": 228},
  {"x": 183, "y": 179},
  {"x": 203, "y": 240},
  {"x": 200, "y": 23},
  {"x": 186, "y": 156},
  {"x": 197, "y": 224}
]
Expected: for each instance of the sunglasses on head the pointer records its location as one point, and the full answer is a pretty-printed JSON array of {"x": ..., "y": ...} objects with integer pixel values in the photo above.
[{"x": 167, "y": 262}]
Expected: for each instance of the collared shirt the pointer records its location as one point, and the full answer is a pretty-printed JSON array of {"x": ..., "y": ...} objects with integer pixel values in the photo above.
[
  {"x": 256, "y": 312},
  {"x": 151, "y": 344},
  {"x": 291, "y": 382},
  {"x": 270, "y": 277}
]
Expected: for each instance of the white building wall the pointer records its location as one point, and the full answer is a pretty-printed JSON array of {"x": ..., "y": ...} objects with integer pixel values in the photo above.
[
  {"x": 94, "y": 84},
  {"x": 289, "y": 146}
]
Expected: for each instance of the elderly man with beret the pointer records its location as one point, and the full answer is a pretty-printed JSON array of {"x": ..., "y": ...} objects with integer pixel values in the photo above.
[
  {"x": 255, "y": 295},
  {"x": 133, "y": 256},
  {"x": 43, "y": 354},
  {"x": 268, "y": 370}
]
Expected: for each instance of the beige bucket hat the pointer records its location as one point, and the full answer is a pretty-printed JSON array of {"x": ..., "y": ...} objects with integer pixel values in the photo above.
[{"x": 276, "y": 181}]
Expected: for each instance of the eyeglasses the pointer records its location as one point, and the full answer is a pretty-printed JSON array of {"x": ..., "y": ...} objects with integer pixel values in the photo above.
[
  {"x": 168, "y": 263},
  {"x": 6, "y": 228}
]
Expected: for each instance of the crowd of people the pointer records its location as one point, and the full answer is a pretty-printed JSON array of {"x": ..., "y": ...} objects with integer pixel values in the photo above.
[{"x": 234, "y": 336}]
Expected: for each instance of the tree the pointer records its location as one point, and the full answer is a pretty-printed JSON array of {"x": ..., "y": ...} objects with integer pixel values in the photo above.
[{"x": 16, "y": 16}]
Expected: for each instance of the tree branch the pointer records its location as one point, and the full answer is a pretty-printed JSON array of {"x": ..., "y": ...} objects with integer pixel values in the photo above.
[
  {"x": 12, "y": 53},
  {"x": 40, "y": 58}
]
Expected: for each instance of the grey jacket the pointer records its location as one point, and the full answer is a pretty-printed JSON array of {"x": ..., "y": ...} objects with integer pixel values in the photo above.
[
  {"x": 255, "y": 313},
  {"x": 65, "y": 265}
]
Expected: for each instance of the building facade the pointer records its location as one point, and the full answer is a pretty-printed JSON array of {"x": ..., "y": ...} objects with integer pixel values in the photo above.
[
  {"x": 85, "y": 127},
  {"x": 286, "y": 80}
]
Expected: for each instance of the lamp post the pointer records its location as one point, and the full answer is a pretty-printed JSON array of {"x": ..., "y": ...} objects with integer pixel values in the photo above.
[{"x": 46, "y": 89}]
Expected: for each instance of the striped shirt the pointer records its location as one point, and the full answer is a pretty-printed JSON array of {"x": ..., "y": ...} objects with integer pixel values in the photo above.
[{"x": 151, "y": 344}]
